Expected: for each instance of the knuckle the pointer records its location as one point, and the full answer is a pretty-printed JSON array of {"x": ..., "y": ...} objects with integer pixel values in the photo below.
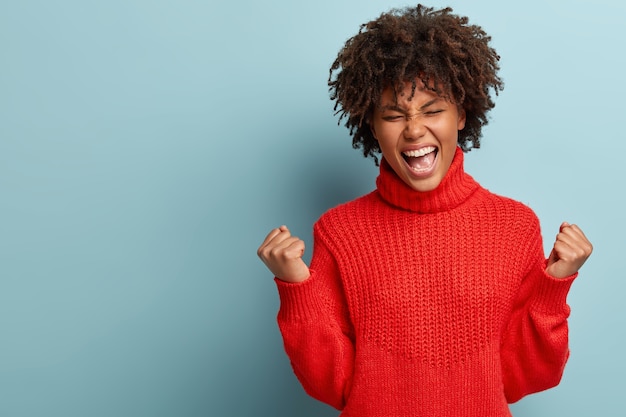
[{"x": 274, "y": 252}]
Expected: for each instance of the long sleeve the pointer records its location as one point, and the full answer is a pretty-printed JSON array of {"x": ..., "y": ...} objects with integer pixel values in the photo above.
[
  {"x": 317, "y": 333},
  {"x": 534, "y": 346},
  {"x": 426, "y": 303}
]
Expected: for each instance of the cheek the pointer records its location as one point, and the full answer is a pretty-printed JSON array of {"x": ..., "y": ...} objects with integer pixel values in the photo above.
[{"x": 387, "y": 132}]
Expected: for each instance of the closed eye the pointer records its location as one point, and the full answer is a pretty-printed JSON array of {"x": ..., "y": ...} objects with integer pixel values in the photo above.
[{"x": 393, "y": 118}]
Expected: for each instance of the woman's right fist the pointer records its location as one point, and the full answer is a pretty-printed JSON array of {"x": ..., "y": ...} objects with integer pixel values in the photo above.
[{"x": 282, "y": 254}]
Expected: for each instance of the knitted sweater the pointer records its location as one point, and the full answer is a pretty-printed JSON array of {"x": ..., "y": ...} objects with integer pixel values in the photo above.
[{"x": 426, "y": 304}]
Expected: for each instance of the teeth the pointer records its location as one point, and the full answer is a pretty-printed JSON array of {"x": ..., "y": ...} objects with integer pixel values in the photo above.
[{"x": 419, "y": 152}]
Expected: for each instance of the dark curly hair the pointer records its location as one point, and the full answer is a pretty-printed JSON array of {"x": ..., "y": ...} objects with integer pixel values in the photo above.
[{"x": 450, "y": 56}]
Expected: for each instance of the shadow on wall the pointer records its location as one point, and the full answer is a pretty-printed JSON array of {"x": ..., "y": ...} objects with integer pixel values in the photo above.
[
  {"x": 250, "y": 373},
  {"x": 263, "y": 384},
  {"x": 333, "y": 173},
  {"x": 257, "y": 380}
]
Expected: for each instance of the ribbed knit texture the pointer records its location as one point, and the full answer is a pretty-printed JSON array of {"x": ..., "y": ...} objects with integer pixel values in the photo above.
[{"x": 426, "y": 304}]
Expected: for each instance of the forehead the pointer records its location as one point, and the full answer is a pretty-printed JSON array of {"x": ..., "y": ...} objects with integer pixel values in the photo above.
[{"x": 408, "y": 93}]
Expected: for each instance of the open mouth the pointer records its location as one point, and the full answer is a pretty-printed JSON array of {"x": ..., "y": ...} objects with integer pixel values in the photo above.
[{"x": 421, "y": 160}]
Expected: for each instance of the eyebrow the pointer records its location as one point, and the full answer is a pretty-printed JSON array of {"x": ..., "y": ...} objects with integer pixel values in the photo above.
[{"x": 395, "y": 107}]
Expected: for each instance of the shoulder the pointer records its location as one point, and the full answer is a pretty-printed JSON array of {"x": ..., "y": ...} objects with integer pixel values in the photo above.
[
  {"x": 347, "y": 216},
  {"x": 507, "y": 204},
  {"x": 512, "y": 223},
  {"x": 510, "y": 212},
  {"x": 351, "y": 211},
  {"x": 358, "y": 206}
]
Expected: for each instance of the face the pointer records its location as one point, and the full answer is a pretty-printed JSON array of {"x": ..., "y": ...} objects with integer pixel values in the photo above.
[{"x": 417, "y": 137}]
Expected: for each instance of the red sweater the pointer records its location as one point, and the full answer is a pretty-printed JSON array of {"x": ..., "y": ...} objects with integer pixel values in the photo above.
[{"x": 426, "y": 304}]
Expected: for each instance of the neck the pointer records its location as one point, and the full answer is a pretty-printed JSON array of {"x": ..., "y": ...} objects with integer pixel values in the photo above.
[{"x": 454, "y": 189}]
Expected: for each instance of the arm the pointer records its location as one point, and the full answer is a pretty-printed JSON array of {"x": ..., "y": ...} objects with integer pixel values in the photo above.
[
  {"x": 317, "y": 334},
  {"x": 534, "y": 346}
]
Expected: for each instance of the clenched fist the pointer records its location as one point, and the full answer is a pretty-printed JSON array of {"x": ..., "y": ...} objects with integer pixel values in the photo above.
[
  {"x": 571, "y": 250},
  {"x": 282, "y": 254}
]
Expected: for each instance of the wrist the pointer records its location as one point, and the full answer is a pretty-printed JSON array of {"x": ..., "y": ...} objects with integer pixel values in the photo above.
[{"x": 299, "y": 277}]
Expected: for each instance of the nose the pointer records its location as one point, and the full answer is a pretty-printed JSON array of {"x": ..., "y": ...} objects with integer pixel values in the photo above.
[{"x": 414, "y": 128}]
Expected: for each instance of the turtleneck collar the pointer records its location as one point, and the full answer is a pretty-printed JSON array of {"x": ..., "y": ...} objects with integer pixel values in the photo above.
[{"x": 454, "y": 189}]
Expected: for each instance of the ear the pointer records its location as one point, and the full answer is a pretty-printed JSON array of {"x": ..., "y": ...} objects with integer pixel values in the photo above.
[
  {"x": 461, "y": 121},
  {"x": 369, "y": 123}
]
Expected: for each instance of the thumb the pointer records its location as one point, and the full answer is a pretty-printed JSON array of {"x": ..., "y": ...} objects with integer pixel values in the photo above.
[
  {"x": 553, "y": 258},
  {"x": 553, "y": 255}
]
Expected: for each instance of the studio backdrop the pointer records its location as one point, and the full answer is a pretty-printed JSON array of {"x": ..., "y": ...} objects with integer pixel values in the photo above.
[{"x": 147, "y": 147}]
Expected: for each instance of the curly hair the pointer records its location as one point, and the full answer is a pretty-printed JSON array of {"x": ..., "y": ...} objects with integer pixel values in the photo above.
[{"x": 450, "y": 57}]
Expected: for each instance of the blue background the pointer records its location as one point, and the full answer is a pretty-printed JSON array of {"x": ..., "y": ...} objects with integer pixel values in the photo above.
[{"x": 147, "y": 147}]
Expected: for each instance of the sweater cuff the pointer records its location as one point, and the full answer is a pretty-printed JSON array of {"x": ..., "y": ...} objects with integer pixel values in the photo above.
[
  {"x": 299, "y": 301},
  {"x": 551, "y": 293}
]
